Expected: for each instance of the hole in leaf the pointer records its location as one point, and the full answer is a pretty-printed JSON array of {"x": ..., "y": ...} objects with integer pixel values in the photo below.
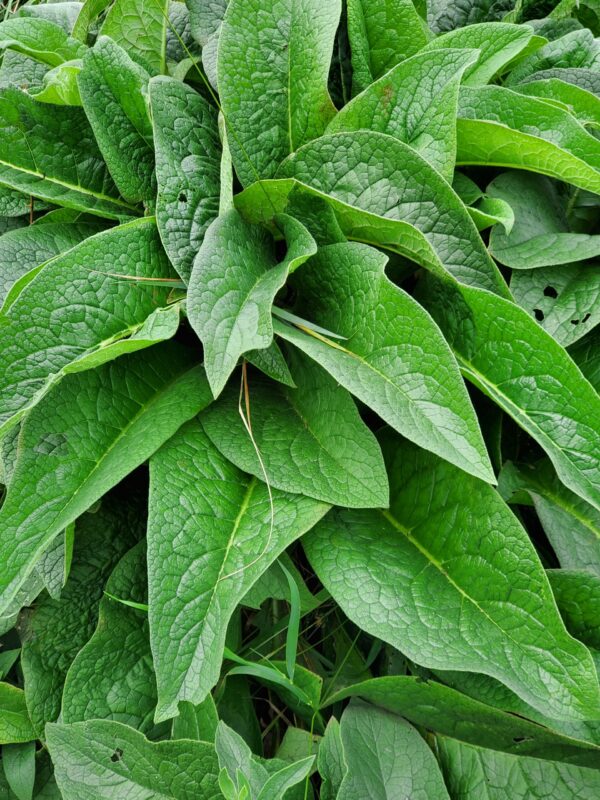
[
  {"x": 519, "y": 739},
  {"x": 550, "y": 291},
  {"x": 538, "y": 314},
  {"x": 182, "y": 197},
  {"x": 587, "y": 316},
  {"x": 575, "y": 321},
  {"x": 117, "y": 755}
]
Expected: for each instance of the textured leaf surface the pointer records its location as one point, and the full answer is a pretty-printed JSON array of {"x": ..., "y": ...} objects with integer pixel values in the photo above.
[
  {"x": 70, "y": 458},
  {"x": 234, "y": 281},
  {"x": 331, "y": 760},
  {"x": 386, "y": 758},
  {"x": 50, "y": 152},
  {"x": 311, "y": 438},
  {"x": 103, "y": 759},
  {"x": 112, "y": 88},
  {"x": 476, "y": 601},
  {"x": 577, "y": 595},
  {"x": 15, "y": 725},
  {"x": 140, "y": 28},
  {"x": 415, "y": 102},
  {"x": 40, "y": 39},
  {"x": 54, "y": 631},
  {"x": 278, "y": 49},
  {"x": 187, "y": 168},
  {"x": 394, "y": 356},
  {"x": 209, "y": 539}
]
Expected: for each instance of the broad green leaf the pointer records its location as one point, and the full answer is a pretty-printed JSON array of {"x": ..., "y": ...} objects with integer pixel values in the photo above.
[
  {"x": 63, "y": 13},
  {"x": 54, "y": 323},
  {"x": 59, "y": 85},
  {"x": 580, "y": 102},
  {"x": 53, "y": 567},
  {"x": 14, "y": 204},
  {"x": 540, "y": 236},
  {"x": 90, "y": 10},
  {"x": 271, "y": 361},
  {"x": 50, "y": 152},
  {"x": 122, "y": 763},
  {"x": 507, "y": 355},
  {"x": 576, "y": 49},
  {"x": 236, "y": 758},
  {"x": 564, "y": 300},
  {"x": 445, "y": 15},
  {"x": 497, "y": 42},
  {"x": 571, "y": 524},
  {"x": 587, "y": 79},
  {"x": 386, "y": 758},
  {"x": 586, "y": 355},
  {"x": 498, "y": 127},
  {"x": 415, "y": 102},
  {"x": 280, "y": 50},
  {"x": 331, "y": 760},
  {"x": 233, "y": 284},
  {"x": 493, "y": 611},
  {"x": 140, "y": 28},
  {"x": 311, "y": 439},
  {"x": 39, "y": 39},
  {"x": 25, "y": 248},
  {"x": 15, "y": 725},
  {"x": 206, "y": 18},
  {"x": 577, "y": 594},
  {"x": 382, "y": 33},
  {"x": 278, "y": 784},
  {"x": 196, "y": 721},
  {"x": 394, "y": 358},
  {"x": 492, "y": 211},
  {"x": 113, "y": 89},
  {"x": 112, "y": 676},
  {"x": 54, "y": 631},
  {"x": 69, "y": 457},
  {"x": 204, "y": 511},
  {"x": 18, "y": 762},
  {"x": 440, "y": 708},
  {"x": 187, "y": 169},
  {"x": 386, "y": 194},
  {"x": 468, "y": 769}
]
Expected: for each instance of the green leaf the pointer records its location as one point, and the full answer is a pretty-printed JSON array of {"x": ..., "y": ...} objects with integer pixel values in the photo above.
[
  {"x": 236, "y": 758},
  {"x": 492, "y": 211},
  {"x": 124, "y": 763},
  {"x": 440, "y": 708},
  {"x": 59, "y": 85},
  {"x": 25, "y": 248},
  {"x": 206, "y": 18},
  {"x": 385, "y": 194},
  {"x": 69, "y": 459},
  {"x": 18, "y": 761},
  {"x": 196, "y": 721},
  {"x": 576, "y": 49},
  {"x": 498, "y": 127},
  {"x": 15, "y": 725},
  {"x": 273, "y": 584},
  {"x": 54, "y": 631},
  {"x": 40, "y": 39},
  {"x": 540, "y": 236},
  {"x": 577, "y": 596},
  {"x": 38, "y": 143},
  {"x": 564, "y": 300},
  {"x": 331, "y": 761},
  {"x": 382, "y": 33},
  {"x": 497, "y": 42},
  {"x": 224, "y": 518},
  {"x": 581, "y": 103},
  {"x": 416, "y": 102},
  {"x": 112, "y": 676},
  {"x": 54, "y": 323},
  {"x": 311, "y": 439},
  {"x": 187, "y": 169},
  {"x": 233, "y": 283},
  {"x": 291, "y": 775},
  {"x": 280, "y": 50},
  {"x": 506, "y": 354},
  {"x": 386, "y": 757},
  {"x": 493, "y": 610},
  {"x": 270, "y": 360},
  {"x": 113, "y": 89},
  {"x": 416, "y": 389},
  {"x": 467, "y": 769},
  {"x": 140, "y": 28}
]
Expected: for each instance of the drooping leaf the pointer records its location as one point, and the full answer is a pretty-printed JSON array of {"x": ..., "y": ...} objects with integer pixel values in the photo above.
[
  {"x": 310, "y": 438},
  {"x": 40, "y": 39},
  {"x": 187, "y": 169},
  {"x": 69, "y": 459},
  {"x": 125, "y": 764},
  {"x": 278, "y": 49},
  {"x": 59, "y": 85},
  {"x": 140, "y": 28},
  {"x": 491, "y": 608},
  {"x": 112, "y": 88},
  {"x": 415, "y": 102},
  {"x": 379, "y": 361},
  {"x": 233, "y": 285},
  {"x": 201, "y": 561}
]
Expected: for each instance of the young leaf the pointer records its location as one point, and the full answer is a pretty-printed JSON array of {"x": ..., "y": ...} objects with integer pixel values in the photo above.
[
  {"x": 415, "y": 102},
  {"x": 232, "y": 287},
  {"x": 125, "y": 764},
  {"x": 229, "y": 530},
  {"x": 140, "y": 28},
  {"x": 311, "y": 439},
  {"x": 280, "y": 50},
  {"x": 113, "y": 89},
  {"x": 187, "y": 169},
  {"x": 69, "y": 458},
  {"x": 412, "y": 387},
  {"x": 40, "y": 39},
  {"x": 493, "y": 610}
]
